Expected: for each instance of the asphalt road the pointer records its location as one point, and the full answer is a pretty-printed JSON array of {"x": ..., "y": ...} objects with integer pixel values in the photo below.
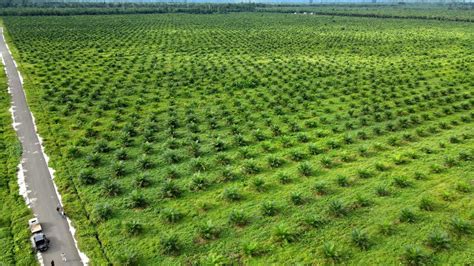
[{"x": 40, "y": 187}]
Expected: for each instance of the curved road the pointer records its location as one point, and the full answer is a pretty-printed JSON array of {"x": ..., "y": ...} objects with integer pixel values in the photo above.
[{"x": 41, "y": 191}]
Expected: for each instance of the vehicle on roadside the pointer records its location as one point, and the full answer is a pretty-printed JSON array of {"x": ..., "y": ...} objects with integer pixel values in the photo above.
[{"x": 38, "y": 239}]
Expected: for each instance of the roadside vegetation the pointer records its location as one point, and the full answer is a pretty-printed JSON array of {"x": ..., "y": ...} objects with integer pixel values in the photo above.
[
  {"x": 15, "y": 248},
  {"x": 257, "y": 138}
]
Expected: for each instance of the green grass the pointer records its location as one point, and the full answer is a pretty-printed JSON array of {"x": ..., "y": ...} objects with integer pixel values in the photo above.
[
  {"x": 15, "y": 248},
  {"x": 257, "y": 138}
]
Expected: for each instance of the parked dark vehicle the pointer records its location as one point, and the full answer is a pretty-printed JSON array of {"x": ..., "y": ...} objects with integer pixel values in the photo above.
[{"x": 38, "y": 239}]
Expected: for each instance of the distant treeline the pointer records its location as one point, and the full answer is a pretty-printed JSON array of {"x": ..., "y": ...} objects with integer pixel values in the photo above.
[
  {"x": 448, "y": 12},
  {"x": 63, "y": 9},
  {"x": 368, "y": 15}
]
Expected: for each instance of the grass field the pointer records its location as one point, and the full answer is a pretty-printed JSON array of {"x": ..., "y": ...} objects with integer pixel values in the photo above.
[
  {"x": 257, "y": 138},
  {"x": 14, "y": 234}
]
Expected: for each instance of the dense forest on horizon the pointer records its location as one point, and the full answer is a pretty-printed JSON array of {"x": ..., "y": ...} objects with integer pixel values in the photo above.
[{"x": 449, "y": 12}]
